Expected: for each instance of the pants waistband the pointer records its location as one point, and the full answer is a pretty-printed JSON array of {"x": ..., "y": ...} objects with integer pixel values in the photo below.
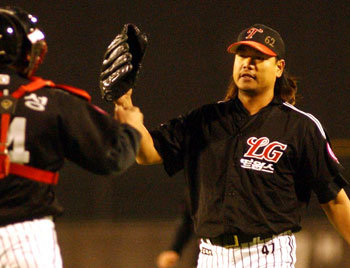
[{"x": 232, "y": 240}]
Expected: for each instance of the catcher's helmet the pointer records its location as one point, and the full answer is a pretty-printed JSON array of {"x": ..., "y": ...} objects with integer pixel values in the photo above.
[{"x": 22, "y": 44}]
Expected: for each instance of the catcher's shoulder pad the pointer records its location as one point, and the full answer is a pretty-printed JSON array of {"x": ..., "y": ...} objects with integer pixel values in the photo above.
[
  {"x": 38, "y": 82},
  {"x": 75, "y": 91}
]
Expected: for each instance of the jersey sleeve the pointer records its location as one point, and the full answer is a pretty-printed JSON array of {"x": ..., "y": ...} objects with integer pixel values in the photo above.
[
  {"x": 93, "y": 139},
  {"x": 169, "y": 142},
  {"x": 319, "y": 166}
]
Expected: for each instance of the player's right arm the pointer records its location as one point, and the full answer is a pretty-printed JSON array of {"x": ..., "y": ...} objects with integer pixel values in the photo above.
[
  {"x": 120, "y": 68},
  {"x": 147, "y": 154}
]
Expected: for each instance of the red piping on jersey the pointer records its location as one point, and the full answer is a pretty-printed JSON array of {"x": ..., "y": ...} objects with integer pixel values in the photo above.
[{"x": 26, "y": 171}]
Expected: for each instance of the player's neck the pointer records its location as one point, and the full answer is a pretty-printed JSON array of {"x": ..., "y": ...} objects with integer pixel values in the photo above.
[{"x": 255, "y": 102}]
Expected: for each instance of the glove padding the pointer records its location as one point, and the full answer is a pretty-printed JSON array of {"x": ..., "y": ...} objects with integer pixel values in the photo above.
[{"x": 122, "y": 62}]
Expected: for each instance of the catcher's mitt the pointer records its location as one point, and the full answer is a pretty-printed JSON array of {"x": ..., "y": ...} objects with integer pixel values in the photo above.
[{"x": 122, "y": 62}]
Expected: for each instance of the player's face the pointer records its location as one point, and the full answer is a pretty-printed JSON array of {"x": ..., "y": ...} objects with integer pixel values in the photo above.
[{"x": 255, "y": 72}]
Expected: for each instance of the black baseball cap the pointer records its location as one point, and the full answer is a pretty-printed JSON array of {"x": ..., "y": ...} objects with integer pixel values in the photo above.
[{"x": 262, "y": 38}]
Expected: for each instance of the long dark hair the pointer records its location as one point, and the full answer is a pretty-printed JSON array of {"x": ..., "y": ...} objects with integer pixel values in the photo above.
[{"x": 285, "y": 87}]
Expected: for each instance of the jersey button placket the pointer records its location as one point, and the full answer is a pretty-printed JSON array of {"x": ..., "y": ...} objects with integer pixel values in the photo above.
[{"x": 230, "y": 202}]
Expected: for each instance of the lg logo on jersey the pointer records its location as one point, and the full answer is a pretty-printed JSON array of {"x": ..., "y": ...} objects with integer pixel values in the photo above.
[
  {"x": 262, "y": 149},
  {"x": 35, "y": 103},
  {"x": 269, "y": 152}
]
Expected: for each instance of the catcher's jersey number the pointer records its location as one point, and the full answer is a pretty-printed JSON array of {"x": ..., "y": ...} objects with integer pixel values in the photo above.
[{"x": 16, "y": 138}]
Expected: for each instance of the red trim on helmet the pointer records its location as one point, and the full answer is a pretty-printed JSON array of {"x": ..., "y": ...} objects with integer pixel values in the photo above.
[{"x": 264, "y": 49}]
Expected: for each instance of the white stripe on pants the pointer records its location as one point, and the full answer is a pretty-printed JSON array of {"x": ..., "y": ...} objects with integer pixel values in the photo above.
[
  {"x": 30, "y": 244},
  {"x": 279, "y": 252}
]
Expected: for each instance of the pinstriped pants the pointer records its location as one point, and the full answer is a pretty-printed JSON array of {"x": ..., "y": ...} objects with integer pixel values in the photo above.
[
  {"x": 279, "y": 252},
  {"x": 30, "y": 244}
]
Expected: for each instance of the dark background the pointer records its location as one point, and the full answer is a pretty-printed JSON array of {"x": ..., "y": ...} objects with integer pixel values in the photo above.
[{"x": 186, "y": 65}]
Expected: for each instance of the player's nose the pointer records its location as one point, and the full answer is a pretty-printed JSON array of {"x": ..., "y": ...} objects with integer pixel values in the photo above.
[{"x": 247, "y": 61}]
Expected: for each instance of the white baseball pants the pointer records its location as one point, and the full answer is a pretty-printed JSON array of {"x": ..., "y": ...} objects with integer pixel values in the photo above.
[
  {"x": 30, "y": 244},
  {"x": 279, "y": 252}
]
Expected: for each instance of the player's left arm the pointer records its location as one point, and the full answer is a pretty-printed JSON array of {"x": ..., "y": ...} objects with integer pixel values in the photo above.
[{"x": 338, "y": 213}]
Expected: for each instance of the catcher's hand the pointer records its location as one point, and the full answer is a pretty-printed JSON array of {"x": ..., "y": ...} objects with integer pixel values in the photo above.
[{"x": 122, "y": 62}]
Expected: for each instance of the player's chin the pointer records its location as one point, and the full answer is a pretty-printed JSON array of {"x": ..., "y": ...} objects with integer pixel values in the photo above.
[
  {"x": 248, "y": 89},
  {"x": 247, "y": 84}
]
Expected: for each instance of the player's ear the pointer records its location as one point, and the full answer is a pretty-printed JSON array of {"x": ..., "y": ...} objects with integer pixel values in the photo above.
[{"x": 280, "y": 64}]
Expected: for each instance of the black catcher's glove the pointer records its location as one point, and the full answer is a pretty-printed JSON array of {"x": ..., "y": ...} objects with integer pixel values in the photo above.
[{"x": 122, "y": 62}]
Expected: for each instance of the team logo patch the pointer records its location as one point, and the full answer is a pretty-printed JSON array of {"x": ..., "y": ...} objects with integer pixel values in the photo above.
[
  {"x": 35, "y": 103},
  {"x": 252, "y": 31},
  {"x": 6, "y": 104},
  {"x": 262, "y": 154}
]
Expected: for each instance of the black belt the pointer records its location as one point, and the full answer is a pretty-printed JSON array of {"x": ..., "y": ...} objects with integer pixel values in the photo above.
[{"x": 232, "y": 240}]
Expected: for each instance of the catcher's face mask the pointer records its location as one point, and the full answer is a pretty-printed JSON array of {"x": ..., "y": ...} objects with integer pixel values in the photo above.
[{"x": 22, "y": 44}]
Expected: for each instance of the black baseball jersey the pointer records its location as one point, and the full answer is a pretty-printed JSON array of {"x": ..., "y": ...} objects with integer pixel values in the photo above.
[
  {"x": 49, "y": 126},
  {"x": 249, "y": 174}
]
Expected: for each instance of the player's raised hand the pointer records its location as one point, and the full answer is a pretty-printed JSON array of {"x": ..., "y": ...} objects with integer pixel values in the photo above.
[
  {"x": 125, "y": 101},
  {"x": 130, "y": 115}
]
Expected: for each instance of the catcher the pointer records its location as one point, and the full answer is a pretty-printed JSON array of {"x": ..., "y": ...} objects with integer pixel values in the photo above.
[
  {"x": 251, "y": 161},
  {"x": 42, "y": 125}
]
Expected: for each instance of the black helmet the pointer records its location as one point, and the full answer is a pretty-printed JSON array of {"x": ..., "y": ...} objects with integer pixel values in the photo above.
[{"x": 22, "y": 44}]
